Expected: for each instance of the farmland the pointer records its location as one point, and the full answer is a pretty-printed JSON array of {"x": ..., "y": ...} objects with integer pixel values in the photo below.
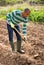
[{"x": 34, "y": 46}]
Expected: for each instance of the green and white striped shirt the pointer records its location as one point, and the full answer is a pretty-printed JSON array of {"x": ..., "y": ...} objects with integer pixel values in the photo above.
[{"x": 15, "y": 17}]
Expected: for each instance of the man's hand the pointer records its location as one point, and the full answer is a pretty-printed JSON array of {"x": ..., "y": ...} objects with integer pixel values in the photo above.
[
  {"x": 12, "y": 25},
  {"x": 25, "y": 37}
]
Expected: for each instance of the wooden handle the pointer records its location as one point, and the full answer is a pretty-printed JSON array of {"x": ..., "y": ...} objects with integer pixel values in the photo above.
[{"x": 19, "y": 33}]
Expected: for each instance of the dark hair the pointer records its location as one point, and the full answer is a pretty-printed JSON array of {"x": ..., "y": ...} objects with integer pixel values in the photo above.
[{"x": 26, "y": 9}]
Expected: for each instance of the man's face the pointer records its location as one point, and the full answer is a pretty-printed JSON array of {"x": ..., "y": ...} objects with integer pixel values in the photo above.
[{"x": 26, "y": 13}]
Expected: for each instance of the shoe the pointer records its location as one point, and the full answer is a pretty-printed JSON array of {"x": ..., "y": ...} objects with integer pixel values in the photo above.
[{"x": 21, "y": 51}]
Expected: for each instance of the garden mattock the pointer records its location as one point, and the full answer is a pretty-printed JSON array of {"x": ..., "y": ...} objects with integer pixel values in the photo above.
[
  {"x": 21, "y": 38},
  {"x": 18, "y": 33},
  {"x": 24, "y": 38}
]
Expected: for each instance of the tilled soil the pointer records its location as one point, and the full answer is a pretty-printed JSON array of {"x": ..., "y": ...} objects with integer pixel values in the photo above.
[{"x": 34, "y": 47}]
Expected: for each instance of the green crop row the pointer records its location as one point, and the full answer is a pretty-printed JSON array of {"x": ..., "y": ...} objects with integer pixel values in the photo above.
[
  {"x": 35, "y": 16},
  {"x": 11, "y": 2}
]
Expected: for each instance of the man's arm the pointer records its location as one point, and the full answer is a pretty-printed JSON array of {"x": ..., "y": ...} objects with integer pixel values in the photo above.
[{"x": 24, "y": 29}]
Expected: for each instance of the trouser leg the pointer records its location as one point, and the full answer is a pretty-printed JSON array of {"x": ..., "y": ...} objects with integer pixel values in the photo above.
[
  {"x": 10, "y": 34},
  {"x": 18, "y": 38}
]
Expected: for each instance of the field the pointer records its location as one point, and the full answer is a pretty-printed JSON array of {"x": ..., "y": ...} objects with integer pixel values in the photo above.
[
  {"x": 36, "y": 15},
  {"x": 34, "y": 46},
  {"x": 34, "y": 49}
]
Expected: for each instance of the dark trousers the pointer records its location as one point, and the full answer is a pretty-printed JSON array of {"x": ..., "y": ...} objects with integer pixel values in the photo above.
[{"x": 10, "y": 34}]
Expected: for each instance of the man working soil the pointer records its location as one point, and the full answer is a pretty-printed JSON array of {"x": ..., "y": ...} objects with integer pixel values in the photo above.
[{"x": 13, "y": 19}]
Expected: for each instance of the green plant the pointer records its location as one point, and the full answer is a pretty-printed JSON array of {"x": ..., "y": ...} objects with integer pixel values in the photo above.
[{"x": 36, "y": 16}]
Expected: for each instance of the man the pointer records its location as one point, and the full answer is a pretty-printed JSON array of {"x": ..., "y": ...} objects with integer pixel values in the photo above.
[{"x": 13, "y": 19}]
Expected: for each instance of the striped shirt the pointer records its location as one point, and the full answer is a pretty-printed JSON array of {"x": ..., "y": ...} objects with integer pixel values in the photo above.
[{"x": 15, "y": 17}]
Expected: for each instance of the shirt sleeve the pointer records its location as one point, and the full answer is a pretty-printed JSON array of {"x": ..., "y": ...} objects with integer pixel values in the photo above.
[{"x": 24, "y": 28}]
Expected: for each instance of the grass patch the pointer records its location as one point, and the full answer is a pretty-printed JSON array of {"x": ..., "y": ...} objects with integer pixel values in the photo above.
[{"x": 35, "y": 15}]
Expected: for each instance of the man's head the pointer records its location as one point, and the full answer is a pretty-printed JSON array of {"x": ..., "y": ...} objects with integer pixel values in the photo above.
[{"x": 26, "y": 12}]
